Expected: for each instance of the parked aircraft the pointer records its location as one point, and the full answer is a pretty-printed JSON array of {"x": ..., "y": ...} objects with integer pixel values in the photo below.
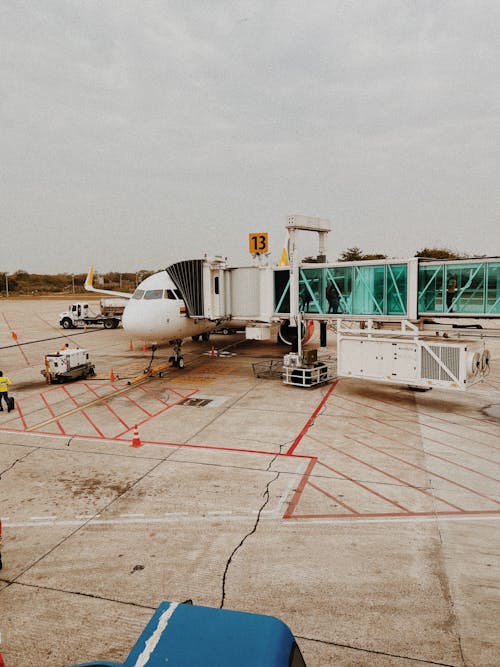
[{"x": 156, "y": 313}]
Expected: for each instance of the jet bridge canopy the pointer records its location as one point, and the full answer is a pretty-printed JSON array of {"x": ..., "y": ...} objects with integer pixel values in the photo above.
[{"x": 391, "y": 289}]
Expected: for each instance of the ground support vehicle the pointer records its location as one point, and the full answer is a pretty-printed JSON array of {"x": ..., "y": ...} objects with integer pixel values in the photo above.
[
  {"x": 66, "y": 365},
  {"x": 79, "y": 314},
  {"x": 184, "y": 635}
]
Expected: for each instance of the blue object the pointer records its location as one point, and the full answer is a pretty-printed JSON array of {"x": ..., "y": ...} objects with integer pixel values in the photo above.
[{"x": 183, "y": 635}]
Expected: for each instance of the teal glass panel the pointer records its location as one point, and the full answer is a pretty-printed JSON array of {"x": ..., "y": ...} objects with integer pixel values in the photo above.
[
  {"x": 311, "y": 291},
  {"x": 282, "y": 291},
  {"x": 368, "y": 290},
  {"x": 493, "y": 289},
  {"x": 465, "y": 288},
  {"x": 396, "y": 285},
  {"x": 338, "y": 289},
  {"x": 431, "y": 281}
]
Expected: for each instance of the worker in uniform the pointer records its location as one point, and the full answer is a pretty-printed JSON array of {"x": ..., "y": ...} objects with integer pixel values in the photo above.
[
  {"x": 451, "y": 290},
  {"x": 65, "y": 347},
  {"x": 4, "y": 390}
]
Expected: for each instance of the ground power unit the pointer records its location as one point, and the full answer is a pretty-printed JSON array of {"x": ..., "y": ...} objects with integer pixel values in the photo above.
[{"x": 417, "y": 361}]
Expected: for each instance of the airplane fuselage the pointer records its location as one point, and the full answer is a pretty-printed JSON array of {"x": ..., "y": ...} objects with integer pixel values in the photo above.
[{"x": 156, "y": 312}]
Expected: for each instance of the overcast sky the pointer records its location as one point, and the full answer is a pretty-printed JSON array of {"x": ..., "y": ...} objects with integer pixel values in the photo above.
[{"x": 135, "y": 134}]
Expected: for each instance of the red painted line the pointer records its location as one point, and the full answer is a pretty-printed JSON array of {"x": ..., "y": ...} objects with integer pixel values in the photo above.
[
  {"x": 437, "y": 418},
  {"x": 298, "y": 491},
  {"x": 150, "y": 393},
  {"x": 426, "y": 470},
  {"x": 106, "y": 405},
  {"x": 149, "y": 414},
  {"x": 52, "y": 413},
  {"x": 439, "y": 442},
  {"x": 391, "y": 476},
  {"x": 155, "y": 414},
  {"x": 435, "y": 456},
  {"x": 391, "y": 515},
  {"x": 311, "y": 419},
  {"x": 21, "y": 415},
  {"x": 82, "y": 412},
  {"x": 367, "y": 488},
  {"x": 329, "y": 495}
]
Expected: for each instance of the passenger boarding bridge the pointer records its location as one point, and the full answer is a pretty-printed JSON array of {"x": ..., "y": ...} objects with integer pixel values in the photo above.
[
  {"x": 393, "y": 290},
  {"x": 404, "y": 291},
  {"x": 384, "y": 290}
]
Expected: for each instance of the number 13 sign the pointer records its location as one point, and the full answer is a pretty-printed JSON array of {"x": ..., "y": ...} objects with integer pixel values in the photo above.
[{"x": 258, "y": 244}]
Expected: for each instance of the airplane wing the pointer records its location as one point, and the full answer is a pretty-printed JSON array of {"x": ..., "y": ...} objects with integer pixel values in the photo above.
[{"x": 90, "y": 287}]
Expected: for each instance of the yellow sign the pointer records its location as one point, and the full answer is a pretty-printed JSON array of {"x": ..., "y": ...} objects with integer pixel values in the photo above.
[{"x": 258, "y": 244}]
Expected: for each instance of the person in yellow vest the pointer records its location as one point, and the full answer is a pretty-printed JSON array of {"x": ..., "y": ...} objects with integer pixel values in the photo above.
[{"x": 4, "y": 390}]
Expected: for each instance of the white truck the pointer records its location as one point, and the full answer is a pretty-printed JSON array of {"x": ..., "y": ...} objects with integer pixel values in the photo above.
[
  {"x": 80, "y": 315},
  {"x": 70, "y": 364}
]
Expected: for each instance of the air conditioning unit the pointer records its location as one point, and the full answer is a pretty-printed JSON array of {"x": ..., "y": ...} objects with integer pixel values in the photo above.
[{"x": 421, "y": 362}]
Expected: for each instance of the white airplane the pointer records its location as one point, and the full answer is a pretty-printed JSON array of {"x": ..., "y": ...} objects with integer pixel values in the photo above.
[{"x": 156, "y": 313}]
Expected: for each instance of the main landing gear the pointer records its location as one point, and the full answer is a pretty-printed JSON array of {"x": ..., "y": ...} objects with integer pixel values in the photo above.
[{"x": 177, "y": 359}]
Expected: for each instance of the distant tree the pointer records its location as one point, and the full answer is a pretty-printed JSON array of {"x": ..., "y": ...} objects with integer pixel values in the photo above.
[
  {"x": 351, "y": 254},
  {"x": 375, "y": 256},
  {"x": 355, "y": 254},
  {"x": 439, "y": 253}
]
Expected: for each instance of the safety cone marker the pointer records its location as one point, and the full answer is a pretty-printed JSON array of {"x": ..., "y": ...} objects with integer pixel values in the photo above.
[
  {"x": 2, "y": 661},
  {"x": 144, "y": 348},
  {"x": 136, "y": 441},
  {"x": 131, "y": 347},
  {"x": 14, "y": 336},
  {"x": 112, "y": 377},
  {"x": 212, "y": 351}
]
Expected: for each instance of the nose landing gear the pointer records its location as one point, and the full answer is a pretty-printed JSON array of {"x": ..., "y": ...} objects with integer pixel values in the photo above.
[{"x": 177, "y": 359}]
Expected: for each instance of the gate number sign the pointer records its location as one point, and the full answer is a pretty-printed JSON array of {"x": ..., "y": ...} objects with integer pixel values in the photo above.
[{"x": 258, "y": 244}]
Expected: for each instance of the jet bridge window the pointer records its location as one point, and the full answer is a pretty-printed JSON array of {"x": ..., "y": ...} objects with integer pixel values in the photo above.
[
  {"x": 153, "y": 294},
  {"x": 138, "y": 294},
  {"x": 169, "y": 294}
]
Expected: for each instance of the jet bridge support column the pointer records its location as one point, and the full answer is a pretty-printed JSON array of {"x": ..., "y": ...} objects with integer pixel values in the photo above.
[{"x": 296, "y": 370}]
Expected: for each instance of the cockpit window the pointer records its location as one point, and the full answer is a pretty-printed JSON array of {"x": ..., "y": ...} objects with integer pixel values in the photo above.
[
  {"x": 138, "y": 294},
  {"x": 169, "y": 294},
  {"x": 178, "y": 293},
  {"x": 153, "y": 294}
]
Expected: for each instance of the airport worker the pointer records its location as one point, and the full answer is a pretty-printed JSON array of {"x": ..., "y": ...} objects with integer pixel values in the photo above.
[
  {"x": 4, "y": 390},
  {"x": 333, "y": 298},
  {"x": 65, "y": 347},
  {"x": 451, "y": 290}
]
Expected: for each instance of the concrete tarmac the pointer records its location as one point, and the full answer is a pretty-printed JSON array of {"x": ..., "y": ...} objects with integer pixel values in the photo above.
[{"x": 364, "y": 515}]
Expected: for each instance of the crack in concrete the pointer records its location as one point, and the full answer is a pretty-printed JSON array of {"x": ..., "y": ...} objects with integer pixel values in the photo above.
[
  {"x": 17, "y": 461},
  {"x": 375, "y": 652},
  {"x": 267, "y": 497}
]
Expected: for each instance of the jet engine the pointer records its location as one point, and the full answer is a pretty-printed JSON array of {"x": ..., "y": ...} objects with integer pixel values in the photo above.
[{"x": 285, "y": 331}]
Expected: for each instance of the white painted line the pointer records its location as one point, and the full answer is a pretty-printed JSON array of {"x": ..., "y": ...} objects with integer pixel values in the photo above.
[
  {"x": 152, "y": 642},
  {"x": 87, "y": 516},
  {"x": 4, "y": 518},
  {"x": 131, "y": 516},
  {"x": 42, "y": 518},
  {"x": 215, "y": 513},
  {"x": 233, "y": 518}
]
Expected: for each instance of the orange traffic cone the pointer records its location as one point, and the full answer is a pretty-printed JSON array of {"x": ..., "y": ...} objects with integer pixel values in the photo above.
[
  {"x": 131, "y": 347},
  {"x": 2, "y": 661},
  {"x": 112, "y": 377},
  {"x": 136, "y": 441},
  {"x": 144, "y": 348},
  {"x": 14, "y": 335},
  {"x": 212, "y": 351}
]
